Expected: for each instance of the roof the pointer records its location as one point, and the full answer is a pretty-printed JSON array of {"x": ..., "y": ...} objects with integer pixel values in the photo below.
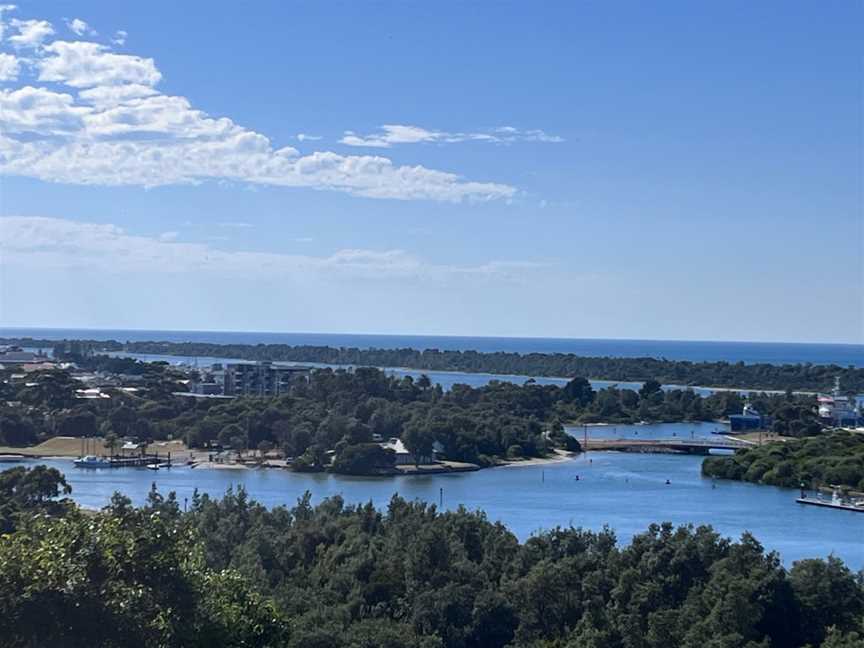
[
  {"x": 20, "y": 357},
  {"x": 396, "y": 446},
  {"x": 90, "y": 394}
]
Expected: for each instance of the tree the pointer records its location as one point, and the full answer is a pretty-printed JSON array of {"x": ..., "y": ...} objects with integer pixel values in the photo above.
[
  {"x": 364, "y": 459},
  {"x": 23, "y": 489},
  {"x": 77, "y": 424},
  {"x": 138, "y": 580},
  {"x": 418, "y": 438},
  {"x": 649, "y": 388},
  {"x": 122, "y": 420},
  {"x": 578, "y": 391},
  {"x": 230, "y": 432},
  {"x": 828, "y": 595},
  {"x": 264, "y": 447},
  {"x": 110, "y": 441}
]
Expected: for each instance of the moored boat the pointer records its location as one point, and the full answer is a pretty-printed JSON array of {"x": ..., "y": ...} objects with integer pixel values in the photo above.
[{"x": 92, "y": 461}]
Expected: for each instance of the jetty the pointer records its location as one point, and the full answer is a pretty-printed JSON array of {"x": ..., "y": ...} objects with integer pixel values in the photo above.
[
  {"x": 142, "y": 460},
  {"x": 815, "y": 501},
  {"x": 837, "y": 501}
]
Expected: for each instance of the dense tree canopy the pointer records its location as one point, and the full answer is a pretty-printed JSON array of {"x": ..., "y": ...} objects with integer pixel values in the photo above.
[
  {"x": 835, "y": 458},
  {"x": 232, "y": 573},
  {"x": 674, "y": 372},
  {"x": 340, "y": 409}
]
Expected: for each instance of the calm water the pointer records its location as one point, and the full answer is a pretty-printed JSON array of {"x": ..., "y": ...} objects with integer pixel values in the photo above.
[
  {"x": 698, "y": 430},
  {"x": 627, "y": 492},
  {"x": 751, "y": 352}
]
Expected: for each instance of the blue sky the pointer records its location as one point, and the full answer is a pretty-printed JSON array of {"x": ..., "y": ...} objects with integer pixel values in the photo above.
[{"x": 637, "y": 170}]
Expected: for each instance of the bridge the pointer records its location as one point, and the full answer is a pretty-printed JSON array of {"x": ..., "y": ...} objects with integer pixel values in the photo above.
[{"x": 675, "y": 445}]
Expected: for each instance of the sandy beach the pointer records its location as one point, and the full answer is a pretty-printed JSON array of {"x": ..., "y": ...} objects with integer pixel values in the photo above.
[{"x": 560, "y": 455}]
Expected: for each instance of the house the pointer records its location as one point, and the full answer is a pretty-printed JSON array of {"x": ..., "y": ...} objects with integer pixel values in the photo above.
[
  {"x": 93, "y": 393},
  {"x": 403, "y": 456},
  {"x": 15, "y": 355}
]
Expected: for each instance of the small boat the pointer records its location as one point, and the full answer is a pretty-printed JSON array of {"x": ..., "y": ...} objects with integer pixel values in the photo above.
[
  {"x": 92, "y": 461},
  {"x": 153, "y": 466}
]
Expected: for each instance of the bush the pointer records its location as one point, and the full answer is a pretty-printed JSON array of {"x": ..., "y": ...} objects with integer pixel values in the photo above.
[{"x": 515, "y": 452}]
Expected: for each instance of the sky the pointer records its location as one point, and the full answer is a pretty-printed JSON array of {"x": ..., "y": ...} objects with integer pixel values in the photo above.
[{"x": 669, "y": 170}]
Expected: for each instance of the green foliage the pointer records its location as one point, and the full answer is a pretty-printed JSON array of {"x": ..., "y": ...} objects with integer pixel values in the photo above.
[
  {"x": 28, "y": 490},
  {"x": 835, "y": 458},
  {"x": 364, "y": 459},
  {"x": 709, "y": 374},
  {"x": 135, "y": 580},
  {"x": 232, "y": 573}
]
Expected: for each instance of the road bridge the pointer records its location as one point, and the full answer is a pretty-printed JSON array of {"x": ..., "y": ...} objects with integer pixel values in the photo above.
[{"x": 675, "y": 445}]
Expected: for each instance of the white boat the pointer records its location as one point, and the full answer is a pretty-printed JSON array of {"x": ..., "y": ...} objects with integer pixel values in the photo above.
[
  {"x": 92, "y": 461},
  {"x": 153, "y": 466}
]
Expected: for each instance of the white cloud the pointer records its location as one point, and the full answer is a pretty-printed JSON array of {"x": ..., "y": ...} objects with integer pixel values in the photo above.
[
  {"x": 113, "y": 127},
  {"x": 236, "y": 225},
  {"x": 36, "y": 110},
  {"x": 3, "y": 9},
  {"x": 115, "y": 95},
  {"x": 119, "y": 37},
  {"x": 79, "y": 27},
  {"x": 31, "y": 33},
  {"x": 393, "y": 134},
  {"x": 303, "y": 137},
  {"x": 59, "y": 244},
  {"x": 9, "y": 67},
  {"x": 83, "y": 64}
]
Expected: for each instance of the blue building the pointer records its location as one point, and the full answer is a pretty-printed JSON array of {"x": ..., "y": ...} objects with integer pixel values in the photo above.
[{"x": 749, "y": 419}]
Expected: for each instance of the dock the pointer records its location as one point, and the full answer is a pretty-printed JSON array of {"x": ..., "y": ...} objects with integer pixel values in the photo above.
[
  {"x": 843, "y": 506},
  {"x": 143, "y": 460}
]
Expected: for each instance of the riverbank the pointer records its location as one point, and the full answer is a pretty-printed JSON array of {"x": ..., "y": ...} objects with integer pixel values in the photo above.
[
  {"x": 69, "y": 448},
  {"x": 560, "y": 455},
  {"x": 74, "y": 447}
]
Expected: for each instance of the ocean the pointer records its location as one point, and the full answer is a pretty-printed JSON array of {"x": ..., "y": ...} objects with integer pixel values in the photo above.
[{"x": 694, "y": 351}]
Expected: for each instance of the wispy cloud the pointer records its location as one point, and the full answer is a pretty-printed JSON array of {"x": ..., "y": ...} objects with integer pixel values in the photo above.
[
  {"x": 88, "y": 115},
  {"x": 236, "y": 224},
  {"x": 30, "y": 33},
  {"x": 79, "y": 27},
  {"x": 303, "y": 137},
  {"x": 9, "y": 67},
  {"x": 393, "y": 134},
  {"x": 54, "y": 243}
]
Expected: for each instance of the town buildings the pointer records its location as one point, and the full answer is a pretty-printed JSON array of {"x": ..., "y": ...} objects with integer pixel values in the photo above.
[{"x": 249, "y": 379}]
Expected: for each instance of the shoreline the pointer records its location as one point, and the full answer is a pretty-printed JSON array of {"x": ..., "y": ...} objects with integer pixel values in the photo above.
[
  {"x": 560, "y": 457},
  {"x": 456, "y": 372}
]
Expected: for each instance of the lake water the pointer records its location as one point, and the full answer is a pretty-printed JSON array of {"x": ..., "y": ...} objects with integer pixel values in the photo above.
[
  {"x": 625, "y": 491},
  {"x": 696, "y": 351}
]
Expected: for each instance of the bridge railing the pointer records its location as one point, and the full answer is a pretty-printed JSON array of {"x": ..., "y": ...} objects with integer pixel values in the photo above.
[{"x": 680, "y": 441}]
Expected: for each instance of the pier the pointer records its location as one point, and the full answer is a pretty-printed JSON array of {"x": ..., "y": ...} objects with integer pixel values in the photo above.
[
  {"x": 842, "y": 506},
  {"x": 142, "y": 460}
]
